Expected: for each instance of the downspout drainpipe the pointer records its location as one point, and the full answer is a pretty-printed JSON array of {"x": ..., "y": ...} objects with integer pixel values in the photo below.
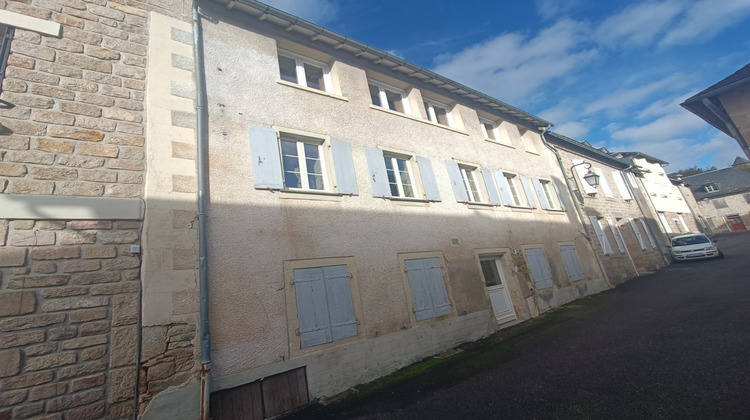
[
  {"x": 586, "y": 234},
  {"x": 640, "y": 207},
  {"x": 201, "y": 113}
]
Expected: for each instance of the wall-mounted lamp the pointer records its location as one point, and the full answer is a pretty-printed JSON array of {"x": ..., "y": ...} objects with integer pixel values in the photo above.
[{"x": 591, "y": 177}]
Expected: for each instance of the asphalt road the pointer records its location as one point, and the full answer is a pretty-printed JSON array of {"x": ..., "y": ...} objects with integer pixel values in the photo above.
[{"x": 670, "y": 345}]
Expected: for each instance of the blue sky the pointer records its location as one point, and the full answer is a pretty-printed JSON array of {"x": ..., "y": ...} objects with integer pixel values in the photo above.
[{"x": 609, "y": 72}]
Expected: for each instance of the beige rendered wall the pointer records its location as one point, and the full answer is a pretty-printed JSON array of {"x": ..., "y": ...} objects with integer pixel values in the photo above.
[{"x": 252, "y": 232}]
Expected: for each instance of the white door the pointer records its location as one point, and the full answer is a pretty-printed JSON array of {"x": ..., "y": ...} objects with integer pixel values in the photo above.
[{"x": 497, "y": 289}]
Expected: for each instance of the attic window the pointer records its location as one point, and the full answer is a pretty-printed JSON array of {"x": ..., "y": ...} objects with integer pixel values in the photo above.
[{"x": 711, "y": 187}]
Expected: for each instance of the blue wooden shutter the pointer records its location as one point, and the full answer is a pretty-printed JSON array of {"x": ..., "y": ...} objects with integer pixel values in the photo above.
[
  {"x": 377, "y": 174},
  {"x": 266, "y": 158},
  {"x": 429, "y": 183},
  {"x": 503, "y": 188},
  {"x": 324, "y": 305},
  {"x": 571, "y": 262},
  {"x": 427, "y": 286},
  {"x": 346, "y": 181},
  {"x": 312, "y": 312},
  {"x": 340, "y": 307},
  {"x": 540, "y": 193},
  {"x": 457, "y": 182},
  {"x": 528, "y": 191},
  {"x": 489, "y": 182},
  {"x": 560, "y": 196},
  {"x": 538, "y": 268}
]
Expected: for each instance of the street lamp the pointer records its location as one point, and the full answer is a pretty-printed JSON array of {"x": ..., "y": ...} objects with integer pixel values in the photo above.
[{"x": 591, "y": 177}]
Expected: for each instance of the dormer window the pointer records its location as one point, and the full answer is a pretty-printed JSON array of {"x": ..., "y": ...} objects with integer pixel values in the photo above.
[{"x": 711, "y": 187}]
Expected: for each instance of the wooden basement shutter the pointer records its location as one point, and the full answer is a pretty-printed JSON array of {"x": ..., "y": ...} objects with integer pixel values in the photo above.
[
  {"x": 427, "y": 286},
  {"x": 571, "y": 262},
  {"x": 377, "y": 173},
  {"x": 527, "y": 190},
  {"x": 538, "y": 268},
  {"x": 346, "y": 182},
  {"x": 543, "y": 203},
  {"x": 489, "y": 182},
  {"x": 324, "y": 305},
  {"x": 457, "y": 182},
  {"x": 264, "y": 147},
  {"x": 431, "y": 190}
]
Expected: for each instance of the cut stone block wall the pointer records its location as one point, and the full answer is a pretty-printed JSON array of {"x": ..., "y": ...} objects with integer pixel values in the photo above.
[{"x": 68, "y": 318}]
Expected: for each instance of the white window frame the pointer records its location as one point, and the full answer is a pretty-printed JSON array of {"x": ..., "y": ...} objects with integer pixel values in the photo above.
[
  {"x": 394, "y": 158},
  {"x": 596, "y": 222},
  {"x": 469, "y": 177},
  {"x": 664, "y": 222},
  {"x": 603, "y": 183},
  {"x": 528, "y": 145},
  {"x": 300, "y": 62},
  {"x": 430, "y": 106},
  {"x": 383, "y": 89},
  {"x": 711, "y": 188},
  {"x": 302, "y": 161},
  {"x": 648, "y": 233},
  {"x": 616, "y": 233},
  {"x": 632, "y": 180},
  {"x": 493, "y": 134},
  {"x": 516, "y": 190},
  {"x": 552, "y": 198},
  {"x": 637, "y": 232}
]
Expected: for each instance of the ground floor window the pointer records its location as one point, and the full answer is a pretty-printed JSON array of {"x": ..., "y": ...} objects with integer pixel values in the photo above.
[
  {"x": 427, "y": 286},
  {"x": 571, "y": 262},
  {"x": 538, "y": 267}
]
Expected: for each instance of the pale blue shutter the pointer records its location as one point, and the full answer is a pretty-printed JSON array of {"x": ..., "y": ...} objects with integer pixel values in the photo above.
[
  {"x": 266, "y": 158},
  {"x": 543, "y": 203},
  {"x": 528, "y": 191},
  {"x": 377, "y": 174},
  {"x": 429, "y": 183},
  {"x": 312, "y": 312},
  {"x": 560, "y": 196},
  {"x": 538, "y": 268},
  {"x": 427, "y": 286},
  {"x": 346, "y": 181},
  {"x": 491, "y": 189},
  {"x": 503, "y": 188},
  {"x": 571, "y": 262},
  {"x": 339, "y": 297},
  {"x": 457, "y": 182}
]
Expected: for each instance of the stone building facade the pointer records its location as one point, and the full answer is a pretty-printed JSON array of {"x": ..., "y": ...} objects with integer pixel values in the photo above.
[
  {"x": 73, "y": 194},
  {"x": 620, "y": 223}
]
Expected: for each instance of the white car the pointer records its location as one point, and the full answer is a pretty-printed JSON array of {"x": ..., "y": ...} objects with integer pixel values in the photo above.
[{"x": 694, "y": 246}]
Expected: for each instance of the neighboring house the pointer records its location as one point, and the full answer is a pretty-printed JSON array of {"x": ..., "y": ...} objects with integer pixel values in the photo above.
[
  {"x": 665, "y": 199},
  {"x": 726, "y": 106},
  {"x": 723, "y": 197},
  {"x": 613, "y": 211},
  {"x": 72, "y": 174}
]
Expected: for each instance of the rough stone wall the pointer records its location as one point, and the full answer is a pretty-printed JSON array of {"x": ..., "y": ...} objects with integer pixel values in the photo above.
[
  {"x": 72, "y": 125},
  {"x": 68, "y": 318},
  {"x": 618, "y": 265},
  {"x": 716, "y": 217}
]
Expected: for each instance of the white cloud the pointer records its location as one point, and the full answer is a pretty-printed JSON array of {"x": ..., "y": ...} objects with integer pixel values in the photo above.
[
  {"x": 512, "y": 66},
  {"x": 625, "y": 98},
  {"x": 573, "y": 129},
  {"x": 637, "y": 25},
  {"x": 705, "y": 19},
  {"x": 722, "y": 149},
  {"x": 662, "y": 106},
  {"x": 319, "y": 12},
  {"x": 550, "y": 9},
  {"x": 664, "y": 128}
]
